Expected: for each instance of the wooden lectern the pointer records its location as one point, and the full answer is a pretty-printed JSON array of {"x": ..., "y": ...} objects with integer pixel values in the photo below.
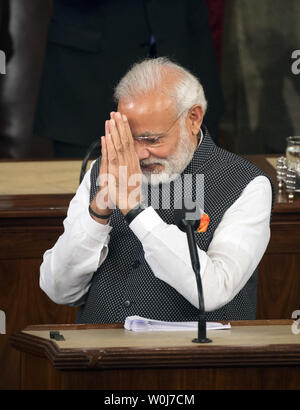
[
  {"x": 250, "y": 355},
  {"x": 34, "y": 198}
]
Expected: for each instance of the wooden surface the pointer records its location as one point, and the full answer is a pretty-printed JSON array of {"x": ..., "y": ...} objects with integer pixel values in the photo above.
[
  {"x": 31, "y": 224},
  {"x": 39, "y": 177},
  {"x": 111, "y": 357},
  {"x": 103, "y": 338}
]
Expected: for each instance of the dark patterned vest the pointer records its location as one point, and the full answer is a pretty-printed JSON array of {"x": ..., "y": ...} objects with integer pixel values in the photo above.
[{"x": 124, "y": 285}]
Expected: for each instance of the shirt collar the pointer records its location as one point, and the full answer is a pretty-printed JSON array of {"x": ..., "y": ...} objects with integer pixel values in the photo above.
[{"x": 200, "y": 137}]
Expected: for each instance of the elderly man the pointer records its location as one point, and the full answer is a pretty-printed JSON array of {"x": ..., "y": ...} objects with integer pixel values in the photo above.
[{"x": 121, "y": 256}]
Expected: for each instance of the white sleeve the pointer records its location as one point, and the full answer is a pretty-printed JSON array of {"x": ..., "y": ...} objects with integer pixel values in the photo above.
[
  {"x": 67, "y": 268},
  {"x": 235, "y": 251}
]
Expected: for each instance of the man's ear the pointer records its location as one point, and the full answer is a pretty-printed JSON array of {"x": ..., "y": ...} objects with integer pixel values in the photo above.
[{"x": 194, "y": 119}]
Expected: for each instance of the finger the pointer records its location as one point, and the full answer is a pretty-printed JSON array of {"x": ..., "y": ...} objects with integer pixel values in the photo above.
[
  {"x": 116, "y": 139},
  {"x": 112, "y": 157},
  {"x": 124, "y": 137},
  {"x": 106, "y": 128},
  {"x": 105, "y": 143},
  {"x": 104, "y": 164},
  {"x": 101, "y": 177},
  {"x": 104, "y": 177},
  {"x": 129, "y": 137},
  {"x": 113, "y": 168}
]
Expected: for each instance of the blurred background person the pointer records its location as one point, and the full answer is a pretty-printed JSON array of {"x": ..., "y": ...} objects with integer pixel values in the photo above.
[
  {"x": 51, "y": 54},
  {"x": 92, "y": 43},
  {"x": 23, "y": 27},
  {"x": 261, "y": 93}
]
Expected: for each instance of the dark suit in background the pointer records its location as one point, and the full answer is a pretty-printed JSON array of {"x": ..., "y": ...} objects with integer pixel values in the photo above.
[{"x": 92, "y": 43}]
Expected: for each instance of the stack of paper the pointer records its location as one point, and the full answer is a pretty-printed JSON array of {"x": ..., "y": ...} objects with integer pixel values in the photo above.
[{"x": 142, "y": 324}]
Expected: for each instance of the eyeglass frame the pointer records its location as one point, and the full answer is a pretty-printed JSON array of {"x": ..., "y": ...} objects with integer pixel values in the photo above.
[{"x": 158, "y": 136}]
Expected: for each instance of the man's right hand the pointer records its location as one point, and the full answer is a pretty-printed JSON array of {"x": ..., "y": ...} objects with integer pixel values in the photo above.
[{"x": 102, "y": 203}]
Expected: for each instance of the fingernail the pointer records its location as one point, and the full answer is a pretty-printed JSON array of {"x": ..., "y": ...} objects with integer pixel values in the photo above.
[
  {"x": 118, "y": 115},
  {"x": 124, "y": 117},
  {"x": 113, "y": 122}
]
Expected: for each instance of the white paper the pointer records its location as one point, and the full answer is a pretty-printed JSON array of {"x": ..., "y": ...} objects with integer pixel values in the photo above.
[{"x": 142, "y": 324}]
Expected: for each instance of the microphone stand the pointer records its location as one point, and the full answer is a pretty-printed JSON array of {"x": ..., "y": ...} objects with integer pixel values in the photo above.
[{"x": 189, "y": 229}]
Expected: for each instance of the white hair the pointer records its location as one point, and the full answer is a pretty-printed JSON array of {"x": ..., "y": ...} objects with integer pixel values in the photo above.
[{"x": 152, "y": 74}]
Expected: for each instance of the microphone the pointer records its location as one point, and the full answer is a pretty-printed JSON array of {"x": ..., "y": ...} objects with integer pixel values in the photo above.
[{"x": 188, "y": 222}]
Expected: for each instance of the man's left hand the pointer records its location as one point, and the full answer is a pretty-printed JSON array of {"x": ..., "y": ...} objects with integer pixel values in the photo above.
[{"x": 123, "y": 164}]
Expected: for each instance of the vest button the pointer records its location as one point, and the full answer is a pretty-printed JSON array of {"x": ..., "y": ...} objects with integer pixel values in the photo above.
[
  {"x": 127, "y": 303},
  {"x": 136, "y": 264}
]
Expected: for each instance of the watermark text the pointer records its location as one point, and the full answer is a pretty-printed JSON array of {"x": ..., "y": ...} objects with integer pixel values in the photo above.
[
  {"x": 296, "y": 325},
  {"x": 2, "y": 62},
  {"x": 178, "y": 193},
  {"x": 296, "y": 64},
  {"x": 2, "y": 323}
]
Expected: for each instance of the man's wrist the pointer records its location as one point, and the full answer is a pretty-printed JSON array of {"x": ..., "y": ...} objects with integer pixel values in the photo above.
[
  {"x": 132, "y": 213},
  {"x": 97, "y": 215},
  {"x": 101, "y": 216},
  {"x": 95, "y": 228}
]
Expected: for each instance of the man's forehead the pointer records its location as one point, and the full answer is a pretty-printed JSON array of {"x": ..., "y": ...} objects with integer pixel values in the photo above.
[
  {"x": 148, "y": 104},
  {"x": 151, "y": 114}
]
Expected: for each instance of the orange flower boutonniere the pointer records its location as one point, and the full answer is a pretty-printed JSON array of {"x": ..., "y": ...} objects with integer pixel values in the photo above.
[{"x": 204, "y": 222}]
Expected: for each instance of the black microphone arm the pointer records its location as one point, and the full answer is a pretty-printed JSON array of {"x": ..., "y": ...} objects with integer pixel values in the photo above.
[
  {"x": 89, "y": 152},
  {"x": 189, "y": 226}
]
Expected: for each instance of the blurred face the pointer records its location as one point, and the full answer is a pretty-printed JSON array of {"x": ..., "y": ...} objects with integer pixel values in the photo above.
[{"x": 164, "y": 141}]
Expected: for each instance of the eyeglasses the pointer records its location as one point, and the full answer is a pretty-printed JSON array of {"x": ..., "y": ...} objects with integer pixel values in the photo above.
[{"x": 153, "y": 140}]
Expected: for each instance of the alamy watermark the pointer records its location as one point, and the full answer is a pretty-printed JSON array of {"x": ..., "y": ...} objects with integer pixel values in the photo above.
[
  {"x": 2, "y": 323},
  {"x": 296, "y": 64},
  {"x": 296, "y": 325},
  {"x": 2, "y": 62},
  {"x": 187, "y": 192}
]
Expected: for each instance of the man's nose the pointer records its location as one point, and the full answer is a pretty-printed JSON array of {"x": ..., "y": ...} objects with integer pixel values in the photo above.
[{"x": 141, "y": 150}]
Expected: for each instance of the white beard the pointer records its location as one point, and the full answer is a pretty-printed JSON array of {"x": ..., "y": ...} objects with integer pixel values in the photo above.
[{"x": 175, "y": 164}]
